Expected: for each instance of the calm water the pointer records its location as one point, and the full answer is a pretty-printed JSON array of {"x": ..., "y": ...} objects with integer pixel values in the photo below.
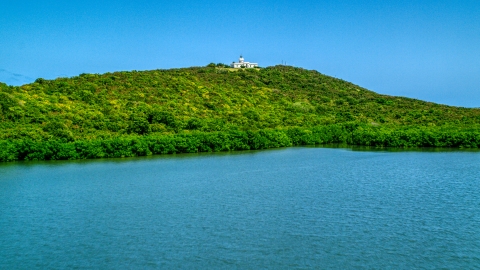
[{"x": 287, "y": 208}]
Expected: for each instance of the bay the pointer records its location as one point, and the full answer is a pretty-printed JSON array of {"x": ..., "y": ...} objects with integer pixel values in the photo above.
[{"x": 292, "y": 208}]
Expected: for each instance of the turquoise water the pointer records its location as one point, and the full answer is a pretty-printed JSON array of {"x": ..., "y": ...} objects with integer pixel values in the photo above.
[{"x": 289, "y": 208}]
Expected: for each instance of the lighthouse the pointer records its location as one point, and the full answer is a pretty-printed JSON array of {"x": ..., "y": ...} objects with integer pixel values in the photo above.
[{"x": 242, "y": 64}]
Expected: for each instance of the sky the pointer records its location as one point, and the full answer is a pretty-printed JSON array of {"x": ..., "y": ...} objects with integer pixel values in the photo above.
[{"x": 427, "y": 50}]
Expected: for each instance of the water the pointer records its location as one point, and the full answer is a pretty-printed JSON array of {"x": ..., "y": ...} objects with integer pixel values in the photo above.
[{"x": 290, "y": 208}]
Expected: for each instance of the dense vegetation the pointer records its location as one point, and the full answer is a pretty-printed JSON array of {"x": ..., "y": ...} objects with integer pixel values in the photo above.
[{"x": 214, "y": 108}]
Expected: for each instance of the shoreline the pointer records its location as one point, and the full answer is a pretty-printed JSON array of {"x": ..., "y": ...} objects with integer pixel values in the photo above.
[{"x": 361, "y": 137}]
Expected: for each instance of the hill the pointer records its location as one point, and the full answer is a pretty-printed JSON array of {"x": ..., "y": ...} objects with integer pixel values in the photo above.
[{"x": 213, "y": 109}]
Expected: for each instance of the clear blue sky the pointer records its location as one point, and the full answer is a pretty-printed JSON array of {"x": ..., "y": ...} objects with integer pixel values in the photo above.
[{"x": 422, "y": 49}]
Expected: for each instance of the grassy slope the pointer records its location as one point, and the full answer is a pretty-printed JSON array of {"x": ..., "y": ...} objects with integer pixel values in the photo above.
[{"x": 207, "y": 99}]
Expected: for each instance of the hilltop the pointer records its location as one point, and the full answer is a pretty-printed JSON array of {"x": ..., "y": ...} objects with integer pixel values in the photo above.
[{"x": 202, "y": 101}]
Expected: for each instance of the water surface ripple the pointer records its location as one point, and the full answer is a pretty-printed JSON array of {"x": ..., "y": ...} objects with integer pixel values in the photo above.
[{"x": 295, "y": 208}]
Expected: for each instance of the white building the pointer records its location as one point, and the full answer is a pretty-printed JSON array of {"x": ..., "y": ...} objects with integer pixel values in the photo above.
[{"x": 241, "y": 63}]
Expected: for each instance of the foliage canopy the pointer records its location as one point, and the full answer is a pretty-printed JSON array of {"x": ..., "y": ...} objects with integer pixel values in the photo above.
[{"x": 96, "y": 111}]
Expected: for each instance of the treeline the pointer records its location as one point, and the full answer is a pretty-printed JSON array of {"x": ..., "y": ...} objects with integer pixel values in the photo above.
[
  {"x": 205, "y": 99},
  {"x": 214, "y": 108},
  {"x": 131, "y": 146}
]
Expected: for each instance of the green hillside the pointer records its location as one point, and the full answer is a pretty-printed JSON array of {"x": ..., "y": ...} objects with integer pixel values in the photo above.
[{"x": 214, "y": 109}]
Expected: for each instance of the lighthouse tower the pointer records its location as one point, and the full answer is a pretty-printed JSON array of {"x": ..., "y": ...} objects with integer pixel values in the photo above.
[{"x": 242, "y": 64}]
